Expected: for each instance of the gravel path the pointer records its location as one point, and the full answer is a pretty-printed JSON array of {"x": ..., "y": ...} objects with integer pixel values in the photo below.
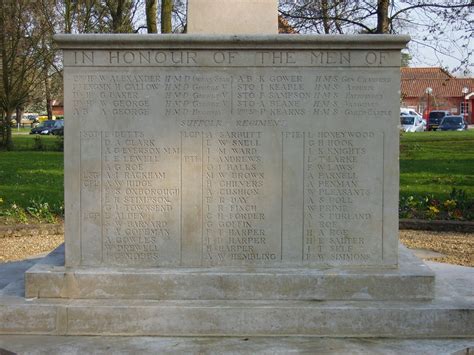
[
  {"x": 457, "y": 248},
  {"x": 14, "y": 248}
]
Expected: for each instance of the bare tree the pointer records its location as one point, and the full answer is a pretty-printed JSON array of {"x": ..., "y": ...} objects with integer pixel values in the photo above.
[
  {"x": 171, "y": 16},
  {"x": 98, "y": 16},
  {"x": 445, "y": 27},
  {"x": 120, "y": 14},
  {"x": 21, "y": 59}
]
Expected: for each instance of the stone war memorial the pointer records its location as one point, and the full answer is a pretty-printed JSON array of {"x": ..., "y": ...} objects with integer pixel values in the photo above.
[{"x": 230, "y": 185}]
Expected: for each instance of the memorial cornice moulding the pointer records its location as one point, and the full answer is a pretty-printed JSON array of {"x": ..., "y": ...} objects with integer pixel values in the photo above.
[{"x": 183, "y": 41}]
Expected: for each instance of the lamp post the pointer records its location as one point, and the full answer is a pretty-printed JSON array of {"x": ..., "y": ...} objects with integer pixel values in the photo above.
[
  {"x": 465, "y": 90},
  {"x": 428, "y": 92}
]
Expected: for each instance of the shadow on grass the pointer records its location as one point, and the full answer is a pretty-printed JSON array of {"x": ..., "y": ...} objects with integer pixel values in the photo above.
[{"x": 460, "y": 167}]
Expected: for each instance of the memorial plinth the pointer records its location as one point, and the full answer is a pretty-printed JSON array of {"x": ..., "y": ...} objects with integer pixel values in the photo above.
[
  {"x": 219, "y": 185},
  {"x": 250, "y": 158}
]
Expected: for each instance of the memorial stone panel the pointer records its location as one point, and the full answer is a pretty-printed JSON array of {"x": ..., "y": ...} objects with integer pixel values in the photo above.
[
  {"x": 232, "y": 17},
  {"x": 272, "y": 153}
]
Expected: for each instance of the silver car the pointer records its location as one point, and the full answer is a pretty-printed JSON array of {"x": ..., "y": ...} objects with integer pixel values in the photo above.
[{"x": 411, "y": 124}]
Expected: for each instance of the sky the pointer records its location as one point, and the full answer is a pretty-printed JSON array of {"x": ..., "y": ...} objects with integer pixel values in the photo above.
[
  {"x": 437, "y": 42},
  {"x": 426, "y": 56}
]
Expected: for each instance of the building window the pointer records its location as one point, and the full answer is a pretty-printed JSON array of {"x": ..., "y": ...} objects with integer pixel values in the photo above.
[{"x": 464, "y": 109}]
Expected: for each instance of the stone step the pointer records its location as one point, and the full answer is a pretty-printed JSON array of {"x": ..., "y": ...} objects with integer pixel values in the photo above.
[
  {"x": 238, "y": 318},
  {"x": 411, "y": 281},
  {"x": 47, "y": 344}
]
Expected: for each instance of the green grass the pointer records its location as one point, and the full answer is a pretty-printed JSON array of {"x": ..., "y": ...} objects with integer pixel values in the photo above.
[
  {"x": 30, "y": 178},
  {"x": 436, "y": 162},
  {"x": 22, "y": 141},
  {"x": 21, "y": 130}
]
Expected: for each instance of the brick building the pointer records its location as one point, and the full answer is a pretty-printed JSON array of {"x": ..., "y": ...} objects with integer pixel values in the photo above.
[
  {"x": 447, "y": 92},
  {"x": 57, "y": 107}
]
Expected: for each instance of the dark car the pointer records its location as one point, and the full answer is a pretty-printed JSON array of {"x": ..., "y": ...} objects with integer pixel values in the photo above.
[
  {"x": 435, "y": 118},
  {"x": 58, "y": 129},
  {"x": 453, "y": 123},
  {"x": 46, "y": 127}
]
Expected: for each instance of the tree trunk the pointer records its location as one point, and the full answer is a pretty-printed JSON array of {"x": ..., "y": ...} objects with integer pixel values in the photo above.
[
  {"x": 116, "y": 9},
  {"x": 151, "y": 16},
  {"x": 383, "y": 22},
  {"x": 8, "y": 142},
  {"x": 325, "y": 16},
  {"x": 19, "y": 115},
  {"x": 117, "y": 17},
  {"x": 68, "y": 14},
  {"x": 5, "y": 126},
  {"x": 166, "y": 10},
  {"x": 47, "y": 91},
  {"x": 46, "y": 81}
]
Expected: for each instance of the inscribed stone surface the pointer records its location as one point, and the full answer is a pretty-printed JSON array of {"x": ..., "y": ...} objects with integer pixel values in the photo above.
[{"x": 206, "y": 156}]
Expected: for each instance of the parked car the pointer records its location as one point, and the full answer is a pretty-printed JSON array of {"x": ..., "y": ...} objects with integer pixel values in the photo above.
[
  {"x": 45, "y": 127},
  {"x": 411, "y": 124},
  {"x": 58, "y": 129},
  {"x": 435, "y": 118},
  {"x": 411, "y": 112},
  {"x": 453, "y": 123}
]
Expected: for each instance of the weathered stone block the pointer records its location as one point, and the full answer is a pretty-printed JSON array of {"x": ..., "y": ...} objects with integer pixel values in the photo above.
[
  {"x": 412, "y": 281},
  {"x": 202, "y": 151},
  {"x": 233, "y": 17}
]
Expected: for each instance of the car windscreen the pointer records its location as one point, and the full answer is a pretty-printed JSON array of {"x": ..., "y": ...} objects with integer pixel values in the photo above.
[
  {"x": 452, "y": 120},
  {"x": 407, "y": 120}
]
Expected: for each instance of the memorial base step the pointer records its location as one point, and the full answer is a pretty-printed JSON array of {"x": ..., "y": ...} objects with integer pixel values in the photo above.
[
  {"x": 238, "y": 318},
  {"x": 411, "y": 281},
  {"x": 449, "y": 314}
]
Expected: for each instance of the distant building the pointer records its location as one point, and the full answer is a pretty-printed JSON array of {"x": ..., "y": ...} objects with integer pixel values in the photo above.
[
  {"x": 438, "y": 89},
  {"x": 57, "y": 107}
]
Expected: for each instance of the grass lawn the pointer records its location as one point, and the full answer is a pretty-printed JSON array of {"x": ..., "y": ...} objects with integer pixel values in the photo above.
[
  {"x": 28, "y": 179},
  {"x": 434, "y": 165},
  {"x": 22, "y": 140},
  {"x": 436, "y": 162}
]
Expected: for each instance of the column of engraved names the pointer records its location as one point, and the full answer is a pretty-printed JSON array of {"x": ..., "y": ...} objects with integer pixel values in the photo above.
[
  {"x": 117, "y": 95},
  {"x": 196, "y": 99},
  {"x": 139, "y": 199},
  {"x": 235, "y": 223},
  {"x": 350, "y": 95},
  {"x": 337, "y": 199},
  {"x": 270, "y": 95}
]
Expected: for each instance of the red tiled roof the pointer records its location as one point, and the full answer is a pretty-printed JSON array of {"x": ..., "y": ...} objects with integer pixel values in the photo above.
[
  {"x": 414, "y": 82},
  {"x": 424, "y": 73}
]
